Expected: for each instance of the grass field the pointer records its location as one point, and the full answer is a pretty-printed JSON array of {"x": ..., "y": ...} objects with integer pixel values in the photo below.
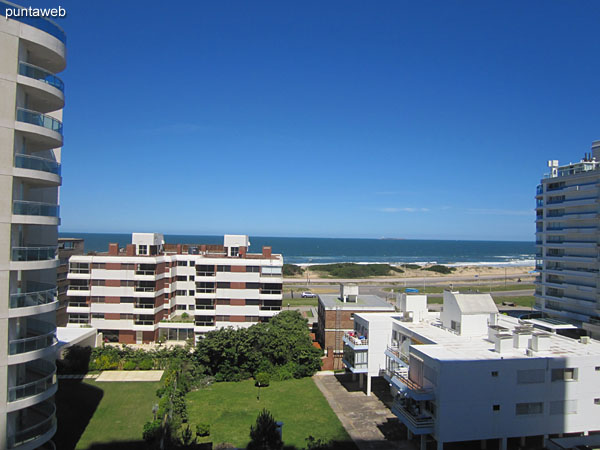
[
  {"x": 230, "y": 409},
  {"x": 526, "y": 300},
  {"x": 103, "y": 413},
  {"x": 299, "y": 302}
]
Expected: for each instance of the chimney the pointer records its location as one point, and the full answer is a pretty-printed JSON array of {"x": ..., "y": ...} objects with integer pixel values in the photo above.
[
  {"x": 113, "y": 249},
  {"x": 243, "y": 251},
  {"x": 130, "y": 250},
  {"x": 266, "y": 252},
  {"x": 203, "y": 249},
  {"x": 179, "y": 249}
]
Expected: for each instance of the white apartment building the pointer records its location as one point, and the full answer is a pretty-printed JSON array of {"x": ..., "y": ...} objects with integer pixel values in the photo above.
[
  {"x": 153, "y": 290},
  {"x": 567, "y": 242},
  {"x": 32, "y": 51},
  {"x": 471, "y": 374}
]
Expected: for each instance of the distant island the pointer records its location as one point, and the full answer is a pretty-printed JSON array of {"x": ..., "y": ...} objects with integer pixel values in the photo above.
[{"x": 391, "y": 239}]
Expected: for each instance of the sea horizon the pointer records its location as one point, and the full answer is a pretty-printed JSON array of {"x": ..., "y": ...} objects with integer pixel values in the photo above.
[{"x": 320, "y": 250}]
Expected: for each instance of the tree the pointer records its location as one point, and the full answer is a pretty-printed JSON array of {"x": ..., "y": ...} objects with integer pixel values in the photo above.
[{"x": 264, "y": 435}]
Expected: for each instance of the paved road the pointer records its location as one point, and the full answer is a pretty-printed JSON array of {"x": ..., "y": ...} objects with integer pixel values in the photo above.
[{"x": 415, "y": 280}]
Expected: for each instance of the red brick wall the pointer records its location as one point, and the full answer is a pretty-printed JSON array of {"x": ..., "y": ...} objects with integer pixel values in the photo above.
[
  {"x": 238, "y": 285},
  {"x": 112, "y": 283},
  {"x": 237, "y": 318},
  {"x": 237, "y": 302},
  {"x": 112, "y": 299},
  {"x": 113, "y": 266},
  {"x": 127, "y": 336},
  {"x": 238, "y": 268}
]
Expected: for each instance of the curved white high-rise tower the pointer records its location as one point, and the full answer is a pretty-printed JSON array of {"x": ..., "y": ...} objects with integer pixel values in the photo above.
[{"x": 32, "y": 51}]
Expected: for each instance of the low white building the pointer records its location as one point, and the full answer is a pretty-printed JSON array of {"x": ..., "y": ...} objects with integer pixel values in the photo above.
[{"x": 471, "y": 373}]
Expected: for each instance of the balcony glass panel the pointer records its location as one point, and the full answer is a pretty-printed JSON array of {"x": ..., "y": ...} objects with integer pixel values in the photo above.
[
  {"x": 31, "y": 344},
  {"x": 41, "y": 376},
  {"x": 36, "y": 163},
  {"x": 38, "y": 421},
  {"x": 34, "y": 253},
  {"x": 37, "y": 73},
  {"x": 27, "y": 208},
  {"x": 35, "y": 294},
  {"x": 42, "y": 120}
]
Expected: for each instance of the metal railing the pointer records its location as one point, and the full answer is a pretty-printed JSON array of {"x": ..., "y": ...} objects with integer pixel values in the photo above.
[
  {"x": 144, "y": 289},
  {"x": 27, "y": 208},
  {"x": 44, "y": 253},
  {"x": 417, "y": 419},
  {"x": 356, "y": 340},
  {"x": 37, "y": 73},
  {"x": 39, "y": 119},
  {"x": 31, "y": 344},
  {"x": 30, "y": 162},
  {"x": 33, "y": 388},
  {"x": 398, "y": 354},
  {"x": 35, "y": 298}
]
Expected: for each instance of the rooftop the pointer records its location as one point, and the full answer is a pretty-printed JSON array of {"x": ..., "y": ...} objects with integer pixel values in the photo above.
[
  {"x": 363, "y": 302},
  {"x": 443, "y": 344}
]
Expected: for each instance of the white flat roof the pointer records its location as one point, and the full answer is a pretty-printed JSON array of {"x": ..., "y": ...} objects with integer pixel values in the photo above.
[
  {"x": 442, "y": 344},
  {"x": 73, "y": 335}
]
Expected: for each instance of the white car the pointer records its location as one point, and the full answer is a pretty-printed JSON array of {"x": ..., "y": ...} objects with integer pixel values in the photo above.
[{"x": 308, "y": 294}]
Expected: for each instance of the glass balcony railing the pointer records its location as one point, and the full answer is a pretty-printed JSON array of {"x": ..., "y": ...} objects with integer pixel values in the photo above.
[
  {"x": 39, "y": 386},
  {"x": 34, "y": 253},
  {"x": 37, "y": 73},
  {"x": 40, "y": 419},
  {"x": 26, "y": 208},
  {"x": 41, "y": 23},
  {"x": 36, "y": 163},
  {"x": 39, "y": 119},
  {"x": 44, "y": 294},
  {"x": 31, "y": 344}
]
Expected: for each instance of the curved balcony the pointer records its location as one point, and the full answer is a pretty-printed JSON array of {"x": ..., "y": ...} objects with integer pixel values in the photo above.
[
  {"x": 40, "y": 378},
  {"x": 39, "y": 424},
  {"x": 27, "y": 208},
  {"x": 44, "y": 253},
  {"x": 30, "y": 162},
  {"x": 39, "y": 119},
  {"x": 37, "y": 73},
  {"x": 32, "y": 343},
  {"x": 36, "y": 294}
]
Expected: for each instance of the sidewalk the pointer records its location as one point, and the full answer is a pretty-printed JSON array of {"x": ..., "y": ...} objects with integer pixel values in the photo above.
[{"x": 368, "y": 421}]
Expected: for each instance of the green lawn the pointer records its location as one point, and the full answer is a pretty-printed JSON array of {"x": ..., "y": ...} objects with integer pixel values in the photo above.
[
  {"x": 101, "y": 413},
  {"x": 299, "y": 302},
  {"x": 230, "y": 409},
  {"x": 526, "y": 300}
]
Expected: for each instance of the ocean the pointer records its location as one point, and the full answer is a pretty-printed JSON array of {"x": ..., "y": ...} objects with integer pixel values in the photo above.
[{"x": 331, "y": 250}]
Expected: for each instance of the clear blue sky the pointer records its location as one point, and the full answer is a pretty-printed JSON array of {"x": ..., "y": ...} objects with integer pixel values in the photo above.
[{"x": 335, "y": 119}]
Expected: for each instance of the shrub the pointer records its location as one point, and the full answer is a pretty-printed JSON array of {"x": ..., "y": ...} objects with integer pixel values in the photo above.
[
  {"x": 353, "y": 270},
  {"x": 445, "y": 270},
  {"x": 264, "y": 434},
  {"x": 129, "y": 365},
  {"x": 262, "y": 379},
  {"x": 289, "y": 270},
  {"x": 152, "y": 431},
  {"x": 202, "y": 429},
  {"x": 146, "y": 364},
  {"x": 411, "y": 266}
]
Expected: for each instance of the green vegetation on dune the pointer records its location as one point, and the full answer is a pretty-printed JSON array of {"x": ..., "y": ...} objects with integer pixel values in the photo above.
[
  {"x": 465, "y": 288},
  {"x": 291, "y": 270},
  {"x": 231, "y": 408},
  {"x": 353, "y": 270},
  {"x": 445, "y": 270}
]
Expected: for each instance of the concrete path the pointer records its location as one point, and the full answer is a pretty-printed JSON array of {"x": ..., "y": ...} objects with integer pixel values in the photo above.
[
  {"x": 130, "y": 375},
  {"x": 368, "y": 421}
]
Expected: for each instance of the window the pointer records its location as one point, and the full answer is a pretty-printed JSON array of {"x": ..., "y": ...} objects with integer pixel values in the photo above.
[
  {"x": 252, "y": 302},
  {"x": 562, "y": 407},
  {"x": 204, "y": 288},
  {"x": 524, "y": 409},
  {"x": 494, "y": 373},
  {"x": 597, "y": 368},
  {"x": 191, "y": 293},
  {"x": 203, "y": 270},
  {"x": 182, "y": 263},
  {"x": 222, "y": 318},
  {"x": 180, "y": 307},
  {"x": 496, "y": 408},
  {"x": 223, "y": 301},
  {"x": 223, "y": 268},
  {"x": 234, "y": 251},
  {"x": 205, "y": 321},
  {"x": 455, "y": 326},
  {"x": 531, "y": 376},
  {"x": 597, "y": 401},
  {"x": 252, "y": 269},
  {"x": 182, "y": 278},
  {"x": 98, "y": 283},
  {"x": 97, "y": 316},
  {"x": 180, "y": 292},
  {"x": 142, "y": 249},
  {"x": 223, "y": 285},
  {"x": 568, "y": 374}
]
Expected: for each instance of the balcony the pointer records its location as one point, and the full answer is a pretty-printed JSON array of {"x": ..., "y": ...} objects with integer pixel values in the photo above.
[
  {"x": 30, "y": 162},
  {"x": 31, "y": 344},
  {"x": 40, "y": 376},
  {"x": 417, "y": 421},
  {"x": 39, "y": 421},
  {"x": 396, "y": 355},
  {"x": 45, "y": 253},
  {"x": 356, "y": 342},
  {"x": 413, "y": 389},
  {"x": 37, "y": 73},
  {"x": 26, "y": 208},
  {"x": 43, "y": 295},
  {"x": 39, "y": 119}
]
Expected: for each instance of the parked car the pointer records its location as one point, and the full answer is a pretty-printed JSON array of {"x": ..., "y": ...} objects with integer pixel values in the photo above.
[{"x": 308, "y": 294}]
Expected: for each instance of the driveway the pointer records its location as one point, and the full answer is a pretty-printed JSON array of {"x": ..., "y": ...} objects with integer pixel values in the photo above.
[{"x": 367, "y": 419}]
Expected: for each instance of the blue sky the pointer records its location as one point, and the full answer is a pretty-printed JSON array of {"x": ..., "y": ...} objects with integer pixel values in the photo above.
[{"x": 333, "y": 119}]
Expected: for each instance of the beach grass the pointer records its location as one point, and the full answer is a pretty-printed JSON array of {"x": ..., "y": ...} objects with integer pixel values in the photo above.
[
  {"x": 231, "y": 407},
  {"x": 483, "y": 288}
]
